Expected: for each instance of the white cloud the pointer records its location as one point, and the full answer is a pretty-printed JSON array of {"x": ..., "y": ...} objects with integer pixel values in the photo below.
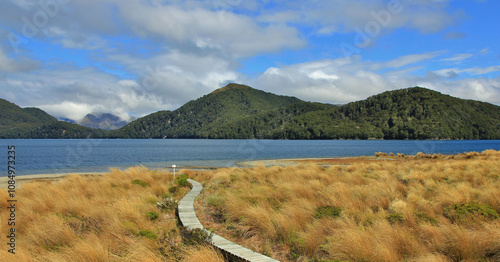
[
  {"x": 73, "y": 93},
  {"x": 165, "y": 82},
  {"x": 335, "y": 81},
  {"x": 474, "y": 71},
  {"x": 224, "y": 31},
  {"x": 330, "y": 81},
  {"x": 482, "y": 71},
  {"x": 410, "y": 59},
  {"x": 68, "y": 109},
  {"x": 8, "y": 64},
  {"x": 426, "y": 16},
  {"x": 458, "y": 57}
]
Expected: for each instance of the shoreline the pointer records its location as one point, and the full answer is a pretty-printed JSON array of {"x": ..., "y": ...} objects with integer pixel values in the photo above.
[
  {"x": 21, "y": 179},
  {"x": 284, "y": 162}
]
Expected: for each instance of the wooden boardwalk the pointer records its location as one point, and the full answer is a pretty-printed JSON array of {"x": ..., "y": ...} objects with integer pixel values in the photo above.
[{"x": 188, "y": 218}]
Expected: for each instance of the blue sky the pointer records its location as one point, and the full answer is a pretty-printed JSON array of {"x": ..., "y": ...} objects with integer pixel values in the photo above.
[{"x": 135, "y": 57}]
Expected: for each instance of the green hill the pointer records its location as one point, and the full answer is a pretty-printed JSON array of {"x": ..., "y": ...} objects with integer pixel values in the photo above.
[
  {"x": 411, "y": 113},
  {"x": 17, "y": 122},
  {"x": 202, "y": 117}
]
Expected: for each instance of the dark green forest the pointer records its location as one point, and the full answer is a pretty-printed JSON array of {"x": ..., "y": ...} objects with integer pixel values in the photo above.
[{"x": 241, "y": 112}]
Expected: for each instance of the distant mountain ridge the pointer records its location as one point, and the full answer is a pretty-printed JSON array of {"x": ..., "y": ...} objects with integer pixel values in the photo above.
[
  {"x": 102, "y": 121},
  {"x": 242, "y": 112}
]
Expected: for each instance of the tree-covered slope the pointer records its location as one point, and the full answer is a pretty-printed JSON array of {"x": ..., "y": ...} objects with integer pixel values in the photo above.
[
  {"x": 199, "y": 118},
  {"x": 270, "y": 124},
  {"x": 241, "y": 112},
  {"x": 15, "y": 120},
  {"x": 412, "y": 113},
  {"x": 64, "y": 130}
]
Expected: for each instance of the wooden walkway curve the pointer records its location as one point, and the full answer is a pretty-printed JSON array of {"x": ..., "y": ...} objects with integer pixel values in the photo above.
[{"x": 188, "y": 218}]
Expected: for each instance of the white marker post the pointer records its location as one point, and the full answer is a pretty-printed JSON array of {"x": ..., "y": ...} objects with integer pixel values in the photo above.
[{"x": 174, "y": 166}]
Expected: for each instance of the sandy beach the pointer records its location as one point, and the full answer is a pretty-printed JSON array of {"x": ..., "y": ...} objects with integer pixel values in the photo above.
[{"x": 21, "y": 179}]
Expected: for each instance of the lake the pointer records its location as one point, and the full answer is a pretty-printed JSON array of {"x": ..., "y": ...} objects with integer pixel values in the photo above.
[{"x": 96, "y": 155}]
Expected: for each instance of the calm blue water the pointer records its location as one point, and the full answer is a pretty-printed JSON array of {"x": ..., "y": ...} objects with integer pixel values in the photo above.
[{"x": 60, "y": 156}]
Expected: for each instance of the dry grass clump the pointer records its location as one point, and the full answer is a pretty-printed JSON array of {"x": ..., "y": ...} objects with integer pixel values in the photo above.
[
  {"x": 203, "y": 254},
  {"x": 113, "y": 217},
  {"x": 418, "y": 208}
]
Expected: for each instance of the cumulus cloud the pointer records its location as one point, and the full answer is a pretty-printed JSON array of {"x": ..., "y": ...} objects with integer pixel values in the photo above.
[
  {"x": 68, "y": 109},
  {"x": 346, "y": 80},
  {"x": 164, "y": 82},
  {"x": 22, "y": 63},
  {"x": 348, "y": 16},
  {"x": 73, "y": 93},
  {"x": 221, "y": 30}
]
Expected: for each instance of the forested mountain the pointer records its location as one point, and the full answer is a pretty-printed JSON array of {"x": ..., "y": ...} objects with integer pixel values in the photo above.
[
  {"x": 201, "y": 118},
  {"x": 241, "y": 112},
  {"x": 17, "y": 122},
  {"x": 411, "y": 113}
]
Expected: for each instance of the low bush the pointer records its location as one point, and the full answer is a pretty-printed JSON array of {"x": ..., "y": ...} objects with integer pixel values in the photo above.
[
  {"x": 182, "y": 180},
  {"x": 148, "y": 234},
  {"x": 140, "y": 183},
  {"x": 395, "y": 218},
  {"x": 196, "y": 236},
  {"x": 168, "y": 203},
  {"x": 172, "y": 189},
  {"x": 470, "y": 211},
  {"x": 327, "y": 211},
  {"x": 427, "y": 219},
  {"x": 152, "y": 215}
]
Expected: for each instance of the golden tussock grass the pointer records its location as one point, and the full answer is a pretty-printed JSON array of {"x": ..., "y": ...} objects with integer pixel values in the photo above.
[
  {"x": 97, "y": 218},
  {"x": 203, "y": 254},
  {"x": 401, "y": 208}
]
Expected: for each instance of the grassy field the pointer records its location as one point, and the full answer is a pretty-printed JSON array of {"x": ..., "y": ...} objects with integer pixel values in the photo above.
[
  {"x": 113, "y": 217},
  {"x": 383, "y": 208}
]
